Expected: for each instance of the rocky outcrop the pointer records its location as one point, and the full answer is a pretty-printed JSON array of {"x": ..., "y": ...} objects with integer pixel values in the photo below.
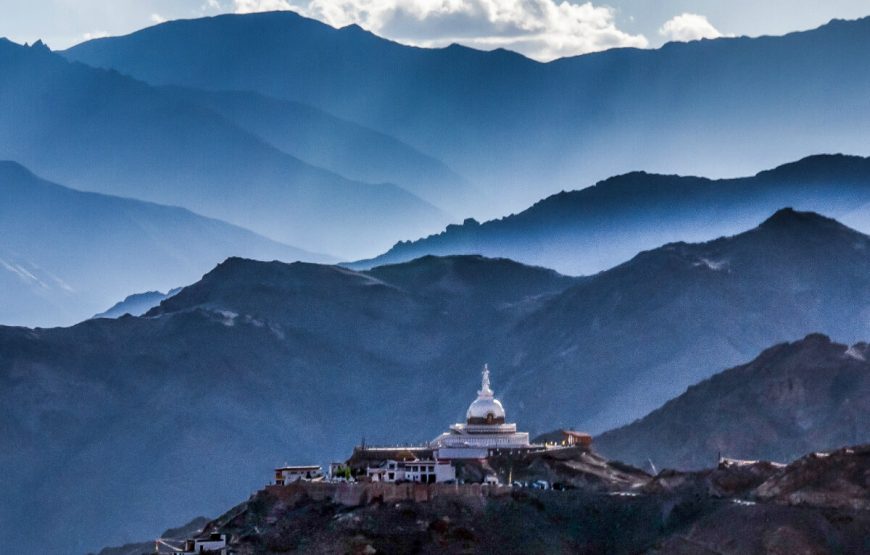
[{"x": 840, "y": 479}]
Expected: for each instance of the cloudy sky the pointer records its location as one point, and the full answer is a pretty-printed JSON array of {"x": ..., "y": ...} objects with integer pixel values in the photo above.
[{"x": 542, "y": 29}]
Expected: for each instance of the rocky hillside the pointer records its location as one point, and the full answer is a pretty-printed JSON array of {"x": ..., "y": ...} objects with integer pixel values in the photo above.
[
  {"x": 767, "y": 509},
  {"x": 812, "y": 394}
]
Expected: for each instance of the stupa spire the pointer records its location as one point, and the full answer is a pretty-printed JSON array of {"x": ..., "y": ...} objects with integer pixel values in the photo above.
[{"x": 485, "y": 391}]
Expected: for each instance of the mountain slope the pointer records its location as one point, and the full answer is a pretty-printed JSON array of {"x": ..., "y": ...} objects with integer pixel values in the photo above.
[
  {"x": 593, "y": 229},
  {"x": 523, "y": 129},
  {"x": 623, "y": 342},
  {"x": 809, "y": 395},
  {"x": 97, "y": 130},
  {"x": 328, "y": 142},
  {"x": 66, "y": 254},
  {"x": 264, "y": 363}
]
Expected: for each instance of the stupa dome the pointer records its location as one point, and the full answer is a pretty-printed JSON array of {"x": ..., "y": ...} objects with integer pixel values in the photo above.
[{"x": 486, "y": 409}]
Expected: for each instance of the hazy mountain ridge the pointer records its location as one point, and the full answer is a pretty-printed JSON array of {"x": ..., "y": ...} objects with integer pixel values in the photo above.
[
  {"x": 137, "y": 304},
  {"x": 98, "y": 130},
  {"x": 346, "y": 148},
  {"x": 66, "y": 254},
  {"x": 809, "y": 395},
  {"x": 592, "y": 229},
  {"x": 268, "y": 359},
  {"x": 721, "y": 107}
]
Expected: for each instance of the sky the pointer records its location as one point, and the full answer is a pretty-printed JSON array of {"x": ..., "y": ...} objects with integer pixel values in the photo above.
[{"x": 540, "y": 29}]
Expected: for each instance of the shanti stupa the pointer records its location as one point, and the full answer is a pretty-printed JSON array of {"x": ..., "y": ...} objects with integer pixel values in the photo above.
[{"x": 485, "y": 429}]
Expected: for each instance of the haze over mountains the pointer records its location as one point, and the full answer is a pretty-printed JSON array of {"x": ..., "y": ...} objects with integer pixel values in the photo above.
[
  {"x": 263, "y": 131},
  {"x": 97, "y": 130},
  {"x": 522, "y": 129},
  {"x": 347, "y": 148},
  {"x": 65, "y": 254},
  {"x": 260, "y": 363},
  {"x": 593, "y": 229},
  {"x": 339, "y": 142}
]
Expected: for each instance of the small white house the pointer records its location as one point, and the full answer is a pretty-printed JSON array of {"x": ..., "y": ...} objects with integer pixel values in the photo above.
[
  {"x": 289, "y": 474},
  {"x": 214, "y": 544},
  {"x": 420, "y": 471}
]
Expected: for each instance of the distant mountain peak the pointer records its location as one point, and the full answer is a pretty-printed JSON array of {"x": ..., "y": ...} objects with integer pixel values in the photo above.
[
  {"x": 790, "y": 218},
  {"x": 818, "y": 166},
  {"x": 11, "y": 168},
  {"x": 39, "y": 45}
]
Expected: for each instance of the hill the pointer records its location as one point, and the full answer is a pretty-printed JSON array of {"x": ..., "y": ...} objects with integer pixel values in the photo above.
[
  {"x": 759, "y": 508},
  {"x": 66, "y": 254},
  {"x": 97, "y": 130},
  {"x": 522, "y": 130},
  {"x": 259, "y": 363},
  {"x": 593, "y": 229},
  {"x": 173, "y": 398},
  {"x": 809, "y": 395}
]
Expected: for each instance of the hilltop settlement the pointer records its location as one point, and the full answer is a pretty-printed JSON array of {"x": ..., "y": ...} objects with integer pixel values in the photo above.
[
  {"x": 482, "y": 486},
  {"x": 466, "y": 453}
]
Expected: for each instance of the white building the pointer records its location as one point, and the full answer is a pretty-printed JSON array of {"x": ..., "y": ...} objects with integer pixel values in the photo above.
[
  {"x": 484, "y": 432},
  {"x": 420, "y": 471},
  {"x": 289, "y": 474},
  {"x": 214, "y": 544}
]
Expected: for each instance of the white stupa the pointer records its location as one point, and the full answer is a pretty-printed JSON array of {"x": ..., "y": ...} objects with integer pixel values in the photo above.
[{"x": 485, "y": 429}]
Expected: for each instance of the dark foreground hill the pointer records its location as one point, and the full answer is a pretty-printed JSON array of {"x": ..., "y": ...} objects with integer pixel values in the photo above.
[
  {"x": 819, "y": 504},
  {"x": 263, "y": 363},
  {"x": 586, "y": 231},
  {"x": 66, "y": 254},
  {"x": 808, "y": 395}
]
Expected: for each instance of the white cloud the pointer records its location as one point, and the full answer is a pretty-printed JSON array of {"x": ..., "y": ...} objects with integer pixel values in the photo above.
[
  {"x": 95, "y": 35},
  {"x": 541, "y": 29},
  {"x": 688, "y": 27},
  {"x": 157, "y": 18},
  {"x": 250, "y": 6}
]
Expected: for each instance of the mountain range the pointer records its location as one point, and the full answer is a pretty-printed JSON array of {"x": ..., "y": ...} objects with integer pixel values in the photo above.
[
  {"x": 809, "y": 395},
  {"x": 66, "y": 254},
  {"x": 519, "y": 129},
  {"x": 593, "y": 229},
  {"x": 189, "y": 156},
  {"x": 259, "y": 363},
  {"x": 97, "y": 130}
]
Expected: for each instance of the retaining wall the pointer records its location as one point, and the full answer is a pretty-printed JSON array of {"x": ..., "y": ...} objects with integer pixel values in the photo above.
[{"x": 356, "y": 494}]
